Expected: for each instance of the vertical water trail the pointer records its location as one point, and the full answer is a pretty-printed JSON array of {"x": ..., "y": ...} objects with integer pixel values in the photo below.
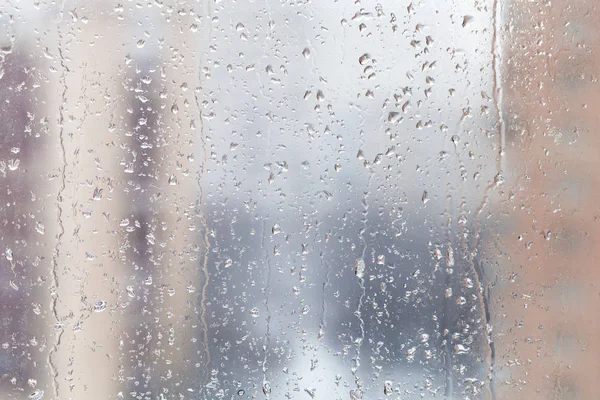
[
  {"x": 201, "y": 203},
  {"x": 59, "y": 200}
]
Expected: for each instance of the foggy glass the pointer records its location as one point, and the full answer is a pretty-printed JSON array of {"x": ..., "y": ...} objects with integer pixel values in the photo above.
[{"x": 298, "y": 199}]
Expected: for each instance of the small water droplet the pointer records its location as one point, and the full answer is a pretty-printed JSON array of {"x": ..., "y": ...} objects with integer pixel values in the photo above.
[
  {"x": 276, "y": 229},
  {"x": 460, "y": 349},
  {"x": 499, "y": 179},
  {"x": 266, "y": 387},
  {"x": 388, "y": 388},
  {"x": 306, "y": 52},
  {"x": 13, "y": 164},
  {"x": 356, "y": 394},
  {"x": 37, "y": 395},
  {"x": 467, "y": 19},
  {"x": 362, "y": 60},
  {"x": 97, "y": 196},
  {"x": 100, "y": 306}
]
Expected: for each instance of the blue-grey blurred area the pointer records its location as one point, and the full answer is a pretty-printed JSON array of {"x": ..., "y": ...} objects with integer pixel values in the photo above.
[{"x": 288, "y": 200}]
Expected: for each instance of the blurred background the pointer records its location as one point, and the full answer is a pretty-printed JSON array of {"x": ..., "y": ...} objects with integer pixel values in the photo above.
[{"x": 224, "y": 199}]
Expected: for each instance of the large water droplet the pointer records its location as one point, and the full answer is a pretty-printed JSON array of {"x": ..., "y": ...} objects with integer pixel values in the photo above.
[{"x": 359, "y": 268}]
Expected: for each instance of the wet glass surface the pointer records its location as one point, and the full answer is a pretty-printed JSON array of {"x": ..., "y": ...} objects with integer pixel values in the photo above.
[{"x": 294, "y": 199}]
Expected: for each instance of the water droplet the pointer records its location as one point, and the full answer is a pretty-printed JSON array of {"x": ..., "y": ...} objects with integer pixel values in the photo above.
[
  {"x": 266, "y": 387},
  {"x": 276, "y": 229},
  {"x": 499, "y": 179},
  {"x": 394, "y": 116},
  {"x": 306, "y": 52},
  {"x": 174, "y": 109},
  {"x": 254, "y": 312},
  {"x": 362, "y": 60},
  {"x": 450, "y": 257},
  {"x": 321, "y": 333},
  {"x": 141, "y": 43},
  {"x": 460, "y": 349},
  {"x": 467, "y": 19},
  {"x": 97, "y": 196},
  {"x": 100, "y": 306},
  {"x": 359, "y": 268},
  {"x": 241, "y": 392},
  {"x": 13, "y": 164},
  {"x": 388, "y": 388},
  {"x": 37, "y": 395},
  {"x": 356, "y": 394}
]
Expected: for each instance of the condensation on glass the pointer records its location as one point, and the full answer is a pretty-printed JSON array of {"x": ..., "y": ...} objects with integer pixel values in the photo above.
[{"x": 293, "y": 199}]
